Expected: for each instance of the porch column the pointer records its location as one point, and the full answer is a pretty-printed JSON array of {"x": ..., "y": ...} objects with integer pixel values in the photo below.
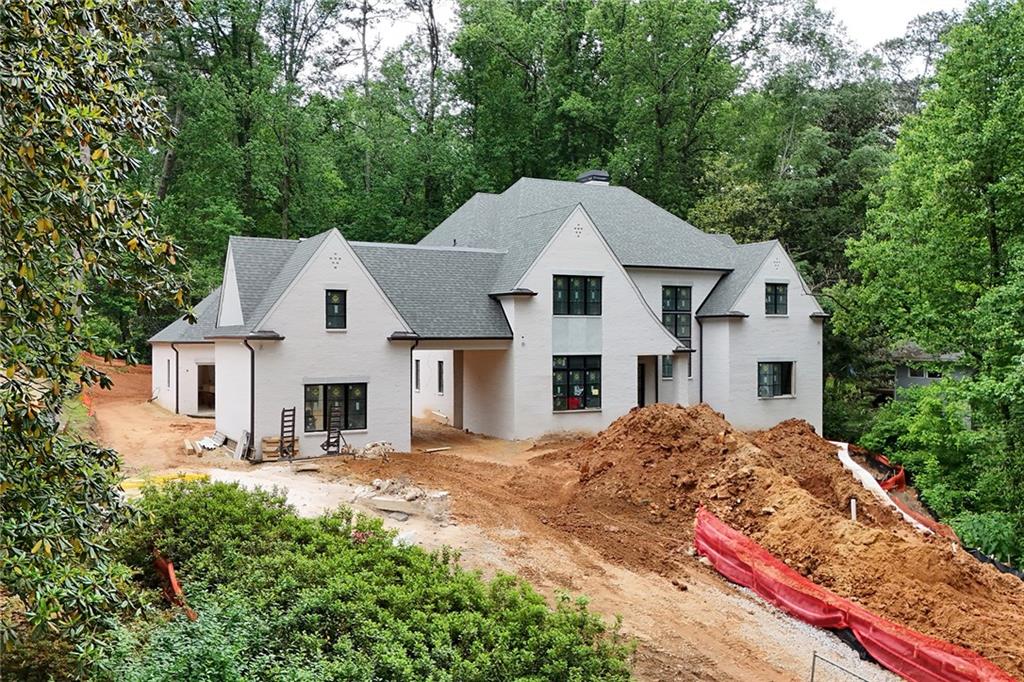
[{"x": 457, "y": 389}]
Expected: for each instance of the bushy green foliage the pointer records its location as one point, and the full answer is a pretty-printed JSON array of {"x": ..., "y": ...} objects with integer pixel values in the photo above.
[
  {"x": 333, "y": 598},
  {"x": 74, "y": 114},
  {"x": 957, "y": 453}
]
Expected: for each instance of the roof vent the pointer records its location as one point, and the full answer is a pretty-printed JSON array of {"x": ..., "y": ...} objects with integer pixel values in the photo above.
[{"x": 594, "y": 177}]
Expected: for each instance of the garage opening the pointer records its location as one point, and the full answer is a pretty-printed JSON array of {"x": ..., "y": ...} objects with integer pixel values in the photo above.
[{"x": 207, "y": 388}]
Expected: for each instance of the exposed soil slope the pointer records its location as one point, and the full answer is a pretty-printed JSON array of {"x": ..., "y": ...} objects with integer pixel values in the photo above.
[{"x": 650, "y": 470}]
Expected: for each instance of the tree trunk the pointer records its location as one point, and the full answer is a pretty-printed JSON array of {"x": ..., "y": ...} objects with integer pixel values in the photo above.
[{"x": 170, "y": 156}]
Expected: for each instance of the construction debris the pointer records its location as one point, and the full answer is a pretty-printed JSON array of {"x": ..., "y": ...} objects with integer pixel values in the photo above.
[{"x": 402, "y": 496}]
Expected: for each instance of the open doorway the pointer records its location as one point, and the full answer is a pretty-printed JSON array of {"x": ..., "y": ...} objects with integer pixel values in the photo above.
[
  {"x": 206, "y": 387},
  {"x": 641, "y": 384}
]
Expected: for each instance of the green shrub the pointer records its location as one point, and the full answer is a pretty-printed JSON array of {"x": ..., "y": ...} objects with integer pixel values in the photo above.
[
  {"x": 333, "y": 598},
  {"x": 962, "y": 460}
]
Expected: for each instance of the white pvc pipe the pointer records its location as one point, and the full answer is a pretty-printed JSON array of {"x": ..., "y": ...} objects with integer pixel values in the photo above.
[{"x": 865, "y": 478}]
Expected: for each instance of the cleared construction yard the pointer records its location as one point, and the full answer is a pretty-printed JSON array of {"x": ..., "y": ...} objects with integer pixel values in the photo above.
[{"x": 612, "y": 518}]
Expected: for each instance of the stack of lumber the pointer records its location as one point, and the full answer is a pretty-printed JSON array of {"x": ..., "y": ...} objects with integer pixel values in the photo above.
[{"x": 272, "y": 448}]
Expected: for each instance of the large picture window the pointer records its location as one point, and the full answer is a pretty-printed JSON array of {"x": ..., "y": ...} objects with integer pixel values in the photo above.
[
  {"x": 320, "y": 398},
  {"x": 576, "y": 382},
  {"x": 774, "y": 379},
  {"x": 776, "y": 299},
  {"x": 574, "y": 295},
  {"x": 676, "y": 307},
  {"x": 336, "y": 312}
]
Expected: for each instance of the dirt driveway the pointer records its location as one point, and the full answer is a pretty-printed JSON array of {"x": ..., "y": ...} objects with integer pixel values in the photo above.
[{"x": 689, "y": 623}]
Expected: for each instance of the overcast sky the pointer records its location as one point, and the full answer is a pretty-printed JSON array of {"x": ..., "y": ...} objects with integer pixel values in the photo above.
[{"x": 869, "y": 22}]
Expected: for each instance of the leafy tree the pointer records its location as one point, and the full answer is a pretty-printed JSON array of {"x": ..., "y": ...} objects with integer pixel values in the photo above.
[
  {"x": 942, "y": 264},
  {"x": 74, "y": 114}
]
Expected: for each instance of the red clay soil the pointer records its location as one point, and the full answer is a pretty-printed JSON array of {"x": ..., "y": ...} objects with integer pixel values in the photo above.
[{"x": 642, "y": 479}]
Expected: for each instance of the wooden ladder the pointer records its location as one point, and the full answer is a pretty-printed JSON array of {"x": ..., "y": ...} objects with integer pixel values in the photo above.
[
  {"x": 332, "y": 446},
  {"x": 286, "y": 446}
]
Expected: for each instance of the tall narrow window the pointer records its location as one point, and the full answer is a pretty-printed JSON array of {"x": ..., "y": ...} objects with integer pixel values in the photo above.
[
  {"x": 440, "y": 377},
  {"x": 774, "y": 379},
  {"x": 666, "y": 366},
  {"x": 676, "y": 306},
  {"x": 776, "y": 299},
  {"x": 572, "y": 295},
  {"x": 336, "y": 312},
  {"x": 576, "y": 382},
  {"x": 416, "y": 374},
  {"x": 349, "y": 400}
]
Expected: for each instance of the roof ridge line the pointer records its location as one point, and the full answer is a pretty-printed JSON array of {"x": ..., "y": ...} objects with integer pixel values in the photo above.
[
  {"x": 549, "y": 210},
  {"x": 421, "y": 247}
]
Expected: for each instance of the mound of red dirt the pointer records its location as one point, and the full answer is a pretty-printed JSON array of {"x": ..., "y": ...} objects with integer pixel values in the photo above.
[{"x": 642, "y": 479}]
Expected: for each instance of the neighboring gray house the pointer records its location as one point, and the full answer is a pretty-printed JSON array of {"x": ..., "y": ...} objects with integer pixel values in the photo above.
[
  {"x": 553, "y": 306},
  {"x": 916, "y": 367}
]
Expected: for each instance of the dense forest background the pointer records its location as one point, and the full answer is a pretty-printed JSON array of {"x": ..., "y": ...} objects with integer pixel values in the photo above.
[
  {"x": 893, "y": 176},
  {"x": 755, "y": 117}
]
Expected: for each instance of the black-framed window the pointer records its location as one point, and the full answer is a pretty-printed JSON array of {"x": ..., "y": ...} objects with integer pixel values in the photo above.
[
  {"x": 774, "y": 379},
  {"x": 576, "y": 382},
  {"x": 666, "y": 366},
  {"x": 416, "y": 374},
  {"x": 776, "y": 299},
  {"x": 440, "y": 377},
  {"x": 676, "y": 308},
  {"x": 576, "y": 295},
  {"x": 336, "y": 308},
  {"x": 320, "y": 398},
  {"x": 168, "y": 372}
]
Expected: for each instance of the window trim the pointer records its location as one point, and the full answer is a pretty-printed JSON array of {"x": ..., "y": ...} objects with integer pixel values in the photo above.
[
  {"x": 785, "y": 300},
  {"x": 588, "y": 362},
  {"x": 792, "y": 380},
  {"x": 344, "y": 310},
  {"x": 588, "y": 282},
  {"x": 325, "y": 415}
]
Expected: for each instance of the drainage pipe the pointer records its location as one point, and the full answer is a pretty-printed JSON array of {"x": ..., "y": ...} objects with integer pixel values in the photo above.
[
  {"x": 252, "y": 394},
  {"x": 177, "y": 379}
]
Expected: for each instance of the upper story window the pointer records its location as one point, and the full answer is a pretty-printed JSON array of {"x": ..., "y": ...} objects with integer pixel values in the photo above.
[
  {"x": 676, "y": 308},
  {"x": 576, "y": 295},
  {"x": 336, "y": 309},
  {"x": 776, "y": 299}
]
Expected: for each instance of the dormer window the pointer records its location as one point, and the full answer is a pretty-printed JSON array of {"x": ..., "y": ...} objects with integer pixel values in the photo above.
[
  {"x": 776, "y": 299},
  {"x": 336, "y": 313},
  {"x": 576, "y": 295}
]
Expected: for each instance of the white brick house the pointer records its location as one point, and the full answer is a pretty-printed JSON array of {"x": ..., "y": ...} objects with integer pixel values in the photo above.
[{"x": 552, "y": 306}]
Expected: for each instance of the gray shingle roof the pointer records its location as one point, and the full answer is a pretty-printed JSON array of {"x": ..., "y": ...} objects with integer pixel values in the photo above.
[
  {"x": 441, "y": 287},
  {"x": 747, "y": 258},
  {"x": 639, "y": 232},
  {"x": 264, "y": 268},
  {"x": 441, "y": 292},
  {"x": 181, "y": 331}
]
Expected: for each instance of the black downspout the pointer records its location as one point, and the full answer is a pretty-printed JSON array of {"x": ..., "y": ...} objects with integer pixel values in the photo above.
[
  {"x": 177, "y": 379},
  {"x": 700, "y": 363},
  {"x": 252, "y": 393},
  {"x": 412, "y": 387}
]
